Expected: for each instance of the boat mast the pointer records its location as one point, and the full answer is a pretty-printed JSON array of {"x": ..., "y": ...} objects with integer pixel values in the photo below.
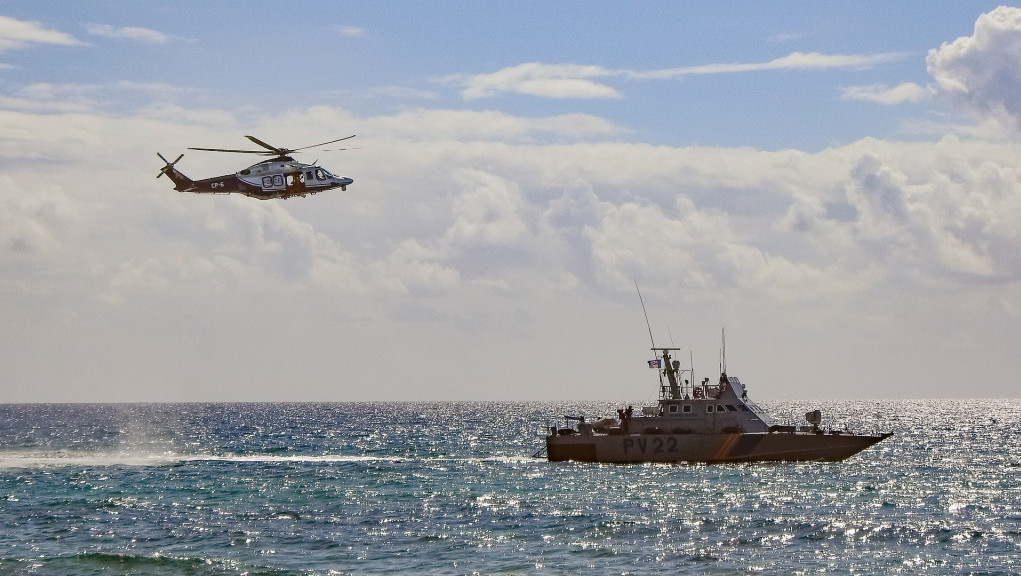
[
  {"x": 671, "y": 369},
  {"x": 647, "y": 323},
  {"x": 723, "y": 353}
]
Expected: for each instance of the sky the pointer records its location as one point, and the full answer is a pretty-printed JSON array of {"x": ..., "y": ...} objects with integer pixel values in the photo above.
[{"x": 837, "y": 185}]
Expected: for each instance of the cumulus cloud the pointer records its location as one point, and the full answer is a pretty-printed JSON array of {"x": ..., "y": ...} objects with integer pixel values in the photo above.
[
  {"x": 578, "y": 81},
  {"x": 30, "y": 223},
  {"x": 981, "y": 74},
  {"x": 449, "y": 229},
  {"x": 414, "y": 266},
  {"x": 16, "y": 34},
  {"x": 487, "y": 212}
]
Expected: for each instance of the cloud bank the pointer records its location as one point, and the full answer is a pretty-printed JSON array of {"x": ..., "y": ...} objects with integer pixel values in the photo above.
[{"x": 493, "y": 253}]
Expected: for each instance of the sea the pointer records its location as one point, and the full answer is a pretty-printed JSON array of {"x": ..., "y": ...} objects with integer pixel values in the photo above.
[{"x": 453, "y": 488}]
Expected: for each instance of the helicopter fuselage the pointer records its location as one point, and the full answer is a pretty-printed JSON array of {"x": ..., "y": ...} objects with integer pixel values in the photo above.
[{"x": 280, "y": 177}]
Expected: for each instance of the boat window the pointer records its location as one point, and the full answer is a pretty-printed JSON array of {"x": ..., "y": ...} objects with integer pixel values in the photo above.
[
  {"x": 742, "y": 407},
  {"x": 687, "y": 408},
  {"x": 709, "y": 408},
  {"x": 673, "y": 408},
  {"x": 719, "y": 407},
  {"x": 731, "y": 408}
]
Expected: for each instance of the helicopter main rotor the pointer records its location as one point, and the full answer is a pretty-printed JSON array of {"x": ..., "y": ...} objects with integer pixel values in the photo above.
[{"x": 270, "y": 150}]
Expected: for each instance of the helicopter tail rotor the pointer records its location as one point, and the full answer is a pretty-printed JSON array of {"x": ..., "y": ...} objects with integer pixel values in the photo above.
[
  {"x": 169, "y": 166},
  {"x": 181, "y": 182}
]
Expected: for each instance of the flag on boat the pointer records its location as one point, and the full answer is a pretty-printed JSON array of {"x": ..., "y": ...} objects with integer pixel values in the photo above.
[{"x": 657, "y": 363}]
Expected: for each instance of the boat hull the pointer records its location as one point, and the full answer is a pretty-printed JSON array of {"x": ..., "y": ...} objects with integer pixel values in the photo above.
[{"x": 710, "y": 448}]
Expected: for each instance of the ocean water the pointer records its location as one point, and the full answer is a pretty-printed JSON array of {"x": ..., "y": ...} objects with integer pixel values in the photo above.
[{"x": 452, "y": 488}]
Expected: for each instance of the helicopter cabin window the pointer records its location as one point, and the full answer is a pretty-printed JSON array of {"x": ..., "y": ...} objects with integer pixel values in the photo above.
[{"x": 308, "y": 176}]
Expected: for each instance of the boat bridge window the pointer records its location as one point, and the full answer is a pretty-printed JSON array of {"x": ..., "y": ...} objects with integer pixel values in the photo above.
[
  {"x": 731, "y": 408},
  {"x": 673, "y": 408},
  {"x": 709, "y": 408},
  {"x": 687, "y": 408},
  {"x": 742, "y": 407},
  {"x": 719, "y": 408}
]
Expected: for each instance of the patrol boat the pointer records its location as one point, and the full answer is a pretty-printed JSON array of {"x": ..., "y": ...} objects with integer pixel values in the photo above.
[{"x": 700, "y": 423}]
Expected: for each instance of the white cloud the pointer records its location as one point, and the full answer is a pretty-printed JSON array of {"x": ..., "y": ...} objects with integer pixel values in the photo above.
[
  {"x": 495, "y": 235},
  {"x": 19, "y": 34},
  {"x": 981, "y": 74},
  {"x": 577, "y": 81},
  {"x": 783, "y": 37},
  {"x": 487, "y": 212},
  {"x": 351, "y": 31},
  {"x": 30, "y": 224},
  {"x": 136, "y": 33},
  {"x": 535, "y": 79},
  {"x": 882, "y": 94},
  {"x": 467, "y": 125},
  {"x": 124, "y": 96},
  {"x": 412, "y": 266},
  {"x": 793, "y": 61}
]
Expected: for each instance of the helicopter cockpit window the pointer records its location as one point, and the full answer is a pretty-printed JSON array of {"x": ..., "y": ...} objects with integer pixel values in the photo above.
[{"x": 321, "y": 174}]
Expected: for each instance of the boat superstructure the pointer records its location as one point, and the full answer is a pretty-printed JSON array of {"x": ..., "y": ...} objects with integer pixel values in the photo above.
[{"x": 704, "y": 422}]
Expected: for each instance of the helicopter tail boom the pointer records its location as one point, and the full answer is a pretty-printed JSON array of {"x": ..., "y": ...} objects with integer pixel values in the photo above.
[{"x": 181, "y": 182}]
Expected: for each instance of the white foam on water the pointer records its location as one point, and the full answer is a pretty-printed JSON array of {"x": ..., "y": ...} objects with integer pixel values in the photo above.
[{"x": 63, "y": 458}]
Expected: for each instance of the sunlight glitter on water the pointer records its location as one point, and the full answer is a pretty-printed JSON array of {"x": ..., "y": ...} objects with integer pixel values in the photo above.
[{"x": 449, "y": 488}]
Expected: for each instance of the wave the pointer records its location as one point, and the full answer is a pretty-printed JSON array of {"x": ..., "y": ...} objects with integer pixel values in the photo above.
[
  {"x": 69, "y": 458},
  {"x": 152, "y": 565}
]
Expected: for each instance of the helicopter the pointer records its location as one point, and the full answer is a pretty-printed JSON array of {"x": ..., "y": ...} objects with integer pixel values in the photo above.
[{"x": 281, "y": 176}]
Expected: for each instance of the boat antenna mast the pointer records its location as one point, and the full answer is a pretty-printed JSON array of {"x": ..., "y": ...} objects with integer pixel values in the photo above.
[
  {"x": 723, "y": 353},
  {"x": 647, "y": 324},
  {"x": 670, "y": 369}
]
